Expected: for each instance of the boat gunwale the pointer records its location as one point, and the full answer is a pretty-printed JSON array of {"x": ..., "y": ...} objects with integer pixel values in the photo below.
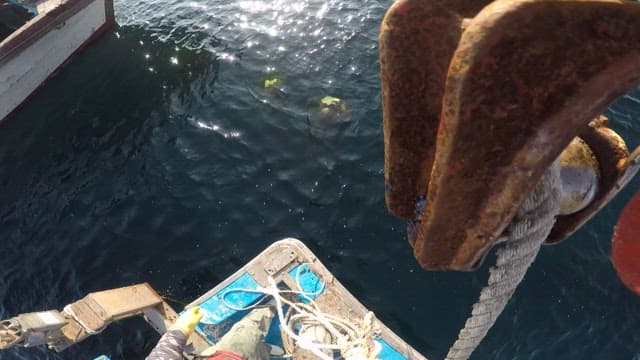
[{"x": 43, "y": 23}]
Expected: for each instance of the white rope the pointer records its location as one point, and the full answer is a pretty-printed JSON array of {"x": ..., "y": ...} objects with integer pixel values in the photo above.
[
  {"x": 524, "y": 237},
  {"x": 353, "y": 340}
]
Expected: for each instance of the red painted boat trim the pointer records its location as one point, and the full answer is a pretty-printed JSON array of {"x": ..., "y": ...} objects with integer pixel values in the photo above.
[
  {"x": 108, "y": 10},
  {"x": 110, "y": 22},
  {"x": 625, "y": 247}
]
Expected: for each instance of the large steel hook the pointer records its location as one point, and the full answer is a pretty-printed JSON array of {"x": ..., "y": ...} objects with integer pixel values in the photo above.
[{"x": 480, "y": 97}]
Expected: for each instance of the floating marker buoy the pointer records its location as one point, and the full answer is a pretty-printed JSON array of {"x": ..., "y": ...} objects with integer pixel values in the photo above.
[
  {"x": 331, "y": 111},
  {"x": 333, "y": 103},
  {"x": 625, "y": 247},
  {"x": 271, "y": 83}
]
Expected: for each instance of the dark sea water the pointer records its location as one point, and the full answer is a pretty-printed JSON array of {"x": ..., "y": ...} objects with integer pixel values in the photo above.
[{"x": 157, "y": 155}]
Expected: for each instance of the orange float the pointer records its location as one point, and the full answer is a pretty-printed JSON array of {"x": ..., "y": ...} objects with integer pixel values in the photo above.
[{"x": 625, "y": 247}]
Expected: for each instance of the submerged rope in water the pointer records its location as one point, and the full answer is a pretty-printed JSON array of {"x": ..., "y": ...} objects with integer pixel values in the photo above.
[{"x": 524, "y": 237}]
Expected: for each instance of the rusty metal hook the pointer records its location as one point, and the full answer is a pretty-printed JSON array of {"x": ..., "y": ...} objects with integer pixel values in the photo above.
[{"x": 480, "y": 97}]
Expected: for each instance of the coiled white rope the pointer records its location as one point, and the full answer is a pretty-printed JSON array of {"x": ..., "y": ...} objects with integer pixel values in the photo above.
[
  {"x": 524, "y": 237},
  {"x": 353, "y": 340}
]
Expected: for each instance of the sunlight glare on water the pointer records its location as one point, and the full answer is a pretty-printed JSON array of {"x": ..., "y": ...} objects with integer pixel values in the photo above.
[{"x": 160, "y": 155}]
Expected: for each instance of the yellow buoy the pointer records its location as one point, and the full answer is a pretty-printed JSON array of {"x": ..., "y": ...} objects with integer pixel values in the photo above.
[{"x": 270, "y": 83}]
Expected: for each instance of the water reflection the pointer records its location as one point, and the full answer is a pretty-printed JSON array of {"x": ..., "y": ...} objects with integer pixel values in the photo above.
[{"x": 178, "y": 175}]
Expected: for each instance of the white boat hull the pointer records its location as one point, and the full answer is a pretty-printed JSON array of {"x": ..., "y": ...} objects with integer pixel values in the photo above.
[{"x": 34, "y": 52}]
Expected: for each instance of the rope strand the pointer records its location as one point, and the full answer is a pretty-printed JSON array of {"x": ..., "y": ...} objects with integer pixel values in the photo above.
[{"x": 524, "y": 237}]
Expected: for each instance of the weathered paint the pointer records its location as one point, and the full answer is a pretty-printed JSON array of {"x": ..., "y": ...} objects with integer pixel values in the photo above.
[
  {"x": 625, "y": 247},
  {"x": 616, "y": 168},
  {"x": 25, "y": 63}
]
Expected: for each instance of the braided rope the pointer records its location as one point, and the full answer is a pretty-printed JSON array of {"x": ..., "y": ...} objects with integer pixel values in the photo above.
[{"x": 524, "y": 237}]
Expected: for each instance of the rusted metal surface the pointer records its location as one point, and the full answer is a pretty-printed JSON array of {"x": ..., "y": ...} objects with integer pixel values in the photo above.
[
  {"x": 109, "y": 12},
  {"x": 417, "y": 40},
  {"x": 124, "y": 302},
  {"x": 616, "y": 167},
  {"x": 530, "y": 75},
  {"x": 579, "y": 175},
  {"x": 97, "y": 310},
  {"x": 73, "y": 332},
  {"x": 523, "y": 80}
]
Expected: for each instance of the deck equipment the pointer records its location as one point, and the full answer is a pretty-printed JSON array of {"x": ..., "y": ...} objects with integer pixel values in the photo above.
[{"x": 479, "y": 99}]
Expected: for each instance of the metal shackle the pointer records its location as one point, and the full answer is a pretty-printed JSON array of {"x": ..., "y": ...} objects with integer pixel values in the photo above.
[{"x": 479, "y": 98}]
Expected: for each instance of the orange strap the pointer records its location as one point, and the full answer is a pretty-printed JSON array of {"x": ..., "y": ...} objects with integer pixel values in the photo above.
[{"x": 225, "y": 355}]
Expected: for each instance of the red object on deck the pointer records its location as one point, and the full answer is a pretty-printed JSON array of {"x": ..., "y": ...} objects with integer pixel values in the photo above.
[{"x": 625, "y": 247}]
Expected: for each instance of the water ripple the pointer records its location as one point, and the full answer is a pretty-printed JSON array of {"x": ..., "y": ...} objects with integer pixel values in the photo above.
[{"x": 158, "y": 155}]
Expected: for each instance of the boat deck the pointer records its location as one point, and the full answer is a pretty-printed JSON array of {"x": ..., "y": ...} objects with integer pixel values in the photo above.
[{"x": 296, "y": 269}]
